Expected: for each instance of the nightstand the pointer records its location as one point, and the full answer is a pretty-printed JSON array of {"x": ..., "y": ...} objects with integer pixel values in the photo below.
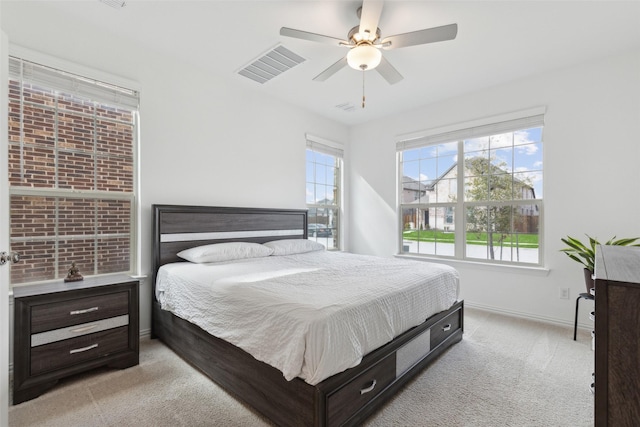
[{"x": 61, "y": 329}]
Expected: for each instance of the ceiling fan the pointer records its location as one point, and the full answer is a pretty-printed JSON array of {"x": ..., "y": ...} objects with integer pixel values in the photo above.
[{"x": 364, "y": 42}]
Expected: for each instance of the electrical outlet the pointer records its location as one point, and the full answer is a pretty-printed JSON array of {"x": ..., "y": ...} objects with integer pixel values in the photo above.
[{"x": 563, "y": 293}]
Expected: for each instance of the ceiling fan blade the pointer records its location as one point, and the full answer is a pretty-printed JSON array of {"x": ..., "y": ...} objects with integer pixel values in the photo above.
[
  {"x": 389, "y": 73},
  {"x": 430, "y": 35},
  {"x": 342, "y": 62},
  {"x": 369, "y": 17},
  {"x": 304, "y": 35}
]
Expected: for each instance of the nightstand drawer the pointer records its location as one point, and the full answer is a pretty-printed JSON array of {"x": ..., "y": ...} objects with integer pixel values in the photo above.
[
  {"x": 72, "y": 351},
  {"x": 46, "y": 317},
  {"x": 75, "y": 331}
]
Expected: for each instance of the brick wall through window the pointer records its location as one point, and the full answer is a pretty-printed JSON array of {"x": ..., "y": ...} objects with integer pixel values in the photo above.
[{"x": 71, "y": 177}]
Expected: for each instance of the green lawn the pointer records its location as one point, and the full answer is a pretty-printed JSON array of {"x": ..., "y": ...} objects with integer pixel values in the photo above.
[{"x": 522, "y": 240}]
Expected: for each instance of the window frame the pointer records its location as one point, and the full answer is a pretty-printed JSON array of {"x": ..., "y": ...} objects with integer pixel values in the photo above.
[
  {"x": 457, "y": 134},
  {"x": 64, "y": 76},
  {"x": 334, "y": 149}
]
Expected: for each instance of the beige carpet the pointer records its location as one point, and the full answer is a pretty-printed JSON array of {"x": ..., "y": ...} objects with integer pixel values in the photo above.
[{"x": 505, "y": 372}]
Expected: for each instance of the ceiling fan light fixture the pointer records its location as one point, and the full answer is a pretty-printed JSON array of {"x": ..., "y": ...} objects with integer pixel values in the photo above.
[{"x": 364, "y": 57}]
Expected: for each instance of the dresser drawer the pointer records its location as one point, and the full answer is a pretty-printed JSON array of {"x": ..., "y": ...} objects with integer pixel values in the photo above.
[
  {"x": 45, "y": 317},
  {"x": 349, "y": 399},
  {"x": 72, "y": 351},
  {"x": 447, "y": 326}
]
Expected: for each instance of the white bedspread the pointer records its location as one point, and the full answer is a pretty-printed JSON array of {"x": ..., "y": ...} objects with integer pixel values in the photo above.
[{"x": 309, "y": 315}]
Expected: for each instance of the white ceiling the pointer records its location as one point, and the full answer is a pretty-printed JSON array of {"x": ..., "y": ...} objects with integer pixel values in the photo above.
[{"x": 497, "y": 41}]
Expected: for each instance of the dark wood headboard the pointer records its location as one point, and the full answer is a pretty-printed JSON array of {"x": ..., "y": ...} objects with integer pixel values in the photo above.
[{"x": 179, "y": 227}]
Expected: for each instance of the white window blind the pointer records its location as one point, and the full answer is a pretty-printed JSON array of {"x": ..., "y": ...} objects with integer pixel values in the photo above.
[
  {"x": 475, "y": 129},
  {"x": 324, "y": 146},
  {"x": 22, "y": 70}
]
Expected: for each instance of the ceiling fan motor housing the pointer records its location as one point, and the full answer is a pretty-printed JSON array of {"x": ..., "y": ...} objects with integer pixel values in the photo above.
[{"x": 355, "y": 37}]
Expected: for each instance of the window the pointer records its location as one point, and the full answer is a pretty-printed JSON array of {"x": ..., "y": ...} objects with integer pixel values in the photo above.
[
  {"x": 323, "y": 187},
  {"x": 72, "y": 173},
  {"x": 474, "y": 193}
]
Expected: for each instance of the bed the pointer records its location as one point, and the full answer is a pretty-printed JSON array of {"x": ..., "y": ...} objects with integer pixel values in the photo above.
[{"x": 323, "y": 397}]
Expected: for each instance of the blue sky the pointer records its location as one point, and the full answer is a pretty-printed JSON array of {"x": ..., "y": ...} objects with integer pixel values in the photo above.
[
  {"x": 518, "y": 152},
  {"x": 320, "y": 176}
]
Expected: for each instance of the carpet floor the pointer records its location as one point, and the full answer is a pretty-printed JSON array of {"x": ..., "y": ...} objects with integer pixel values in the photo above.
[{"x": 506, "y": 372}]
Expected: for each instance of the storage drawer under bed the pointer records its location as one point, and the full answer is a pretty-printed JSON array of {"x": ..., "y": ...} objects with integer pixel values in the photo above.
[
  {"x": 444, "y": 328},
  {"x": 358, "y": 392},
  {"x": 347, "y": 400}
]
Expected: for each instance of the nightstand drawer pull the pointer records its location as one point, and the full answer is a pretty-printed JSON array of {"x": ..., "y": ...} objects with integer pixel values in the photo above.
[
  {"x": 86, "y": 310},
  {"x": 446, "y": 327},
  {"x": 84, "y": 329},
  {"x": 83, "y": 349},
  {"x": 370, "y": 388}
]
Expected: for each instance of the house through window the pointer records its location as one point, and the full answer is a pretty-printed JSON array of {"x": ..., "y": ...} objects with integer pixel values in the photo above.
[
  {"x": 474, "y": 193},
  {"x": 323, "y": 188},
  {"x": 72, "y": 173}
]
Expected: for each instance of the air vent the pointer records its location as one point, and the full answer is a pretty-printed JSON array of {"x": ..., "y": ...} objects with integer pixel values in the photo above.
[
  {"x": 116, "y": 4},
  {"x": 271, "y": 64},
  {"x": 346, "y": 106}
]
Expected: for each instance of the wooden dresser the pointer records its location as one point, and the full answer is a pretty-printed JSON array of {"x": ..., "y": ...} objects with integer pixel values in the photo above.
[
  {"x": 62, "y": 329},
  {"x": 617, "y": 336}
]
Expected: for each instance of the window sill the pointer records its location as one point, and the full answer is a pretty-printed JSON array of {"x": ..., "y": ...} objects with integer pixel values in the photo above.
[
  {"x": 106, "y": 276},
  {"x": 521, "y": 269}
]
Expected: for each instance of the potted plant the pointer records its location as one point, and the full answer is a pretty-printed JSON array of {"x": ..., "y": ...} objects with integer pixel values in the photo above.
[{"x": 585, "y": 254}]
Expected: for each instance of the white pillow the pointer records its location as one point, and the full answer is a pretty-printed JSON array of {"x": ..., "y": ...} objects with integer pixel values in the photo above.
[
  {"x": 293, "y": 246},
  {"x": 225, "y": 252}
]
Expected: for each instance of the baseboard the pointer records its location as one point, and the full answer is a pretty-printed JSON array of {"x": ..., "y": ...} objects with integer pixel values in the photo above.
[{"x": 528, "y": 316}]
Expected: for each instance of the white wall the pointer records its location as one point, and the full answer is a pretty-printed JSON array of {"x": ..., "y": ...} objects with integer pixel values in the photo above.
[
  {"x": 203, "y": 142},
  {"x": 591, "y": 176},
  {"x": 210, "y": 144}
]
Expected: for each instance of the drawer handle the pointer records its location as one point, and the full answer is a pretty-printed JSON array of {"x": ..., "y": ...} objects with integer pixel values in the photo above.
[
  {"x": 80, "y": 350},
  {"x": 86, "y": 310},
  {"x": 84, "y": 329},
  {"x": 370, "y": 388},
  {"x": 446, "y": 328}
]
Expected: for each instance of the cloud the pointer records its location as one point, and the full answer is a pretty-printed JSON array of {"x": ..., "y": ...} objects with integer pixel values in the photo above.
[
  {"x": 529, "y": 150},
  {"x": 526, "y": 174},
  {"x": 503, "y": 140},
  {"x": 476, "y": 144}
]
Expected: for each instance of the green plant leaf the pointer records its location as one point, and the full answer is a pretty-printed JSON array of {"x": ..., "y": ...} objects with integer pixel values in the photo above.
[
  {"x": 585, "y": 253},
  {"x": 623, "y": 242}
]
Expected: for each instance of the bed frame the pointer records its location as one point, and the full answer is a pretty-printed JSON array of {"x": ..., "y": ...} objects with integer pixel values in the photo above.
[{"x": 346, "y": 398}]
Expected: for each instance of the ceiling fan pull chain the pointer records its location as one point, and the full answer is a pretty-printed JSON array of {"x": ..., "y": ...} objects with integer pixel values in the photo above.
[{"x": 363, "y": 88}]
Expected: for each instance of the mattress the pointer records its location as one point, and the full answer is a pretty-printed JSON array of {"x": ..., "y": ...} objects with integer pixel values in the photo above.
[{"x": 309, "y": 315}]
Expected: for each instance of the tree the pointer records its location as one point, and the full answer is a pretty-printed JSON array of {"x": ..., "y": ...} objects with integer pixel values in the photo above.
[{"x": 489, "y": 181}]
